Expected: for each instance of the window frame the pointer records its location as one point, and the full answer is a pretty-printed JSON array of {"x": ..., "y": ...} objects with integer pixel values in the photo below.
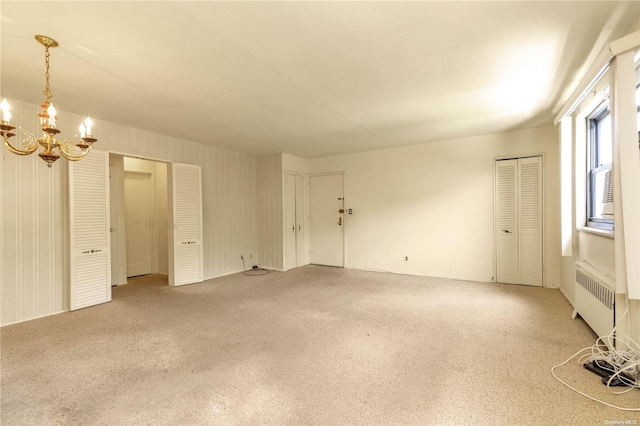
[{"x": 594, "y": 167}]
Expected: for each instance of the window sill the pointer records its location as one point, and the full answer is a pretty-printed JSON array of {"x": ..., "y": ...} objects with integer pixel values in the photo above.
[{"x": 602, "y": 232}]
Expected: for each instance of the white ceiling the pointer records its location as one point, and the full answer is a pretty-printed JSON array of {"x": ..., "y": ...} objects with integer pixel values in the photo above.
[{"x": 309, "y": 78}]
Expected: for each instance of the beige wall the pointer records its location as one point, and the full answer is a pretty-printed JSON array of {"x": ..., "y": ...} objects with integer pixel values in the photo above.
[
  {"x": 434, "y": 204},
  {"x": 270, "y": 208}
]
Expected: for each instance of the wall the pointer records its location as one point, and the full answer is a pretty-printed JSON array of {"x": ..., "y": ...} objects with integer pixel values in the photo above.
[
  {"x": 34, "y": 261},
  {"x": 270, "y": 190},
  {"x": 162, "y": 251},
  {"x": 34, "y": 276},
  {"x": 434, "y": 204},
  {"x": 291, "y": 163}
]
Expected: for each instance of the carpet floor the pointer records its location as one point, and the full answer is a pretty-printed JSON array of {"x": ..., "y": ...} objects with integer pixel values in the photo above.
[{"x": 314, "y": 345}]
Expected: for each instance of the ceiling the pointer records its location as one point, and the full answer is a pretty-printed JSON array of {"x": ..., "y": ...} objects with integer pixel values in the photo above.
[{"x": 311, "y": 79}]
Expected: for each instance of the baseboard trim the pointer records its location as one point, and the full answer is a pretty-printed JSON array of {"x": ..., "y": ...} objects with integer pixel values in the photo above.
[{"x": 35, "y": 318}]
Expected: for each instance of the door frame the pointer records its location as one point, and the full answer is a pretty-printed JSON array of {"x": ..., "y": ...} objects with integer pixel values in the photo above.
[
  {"x": 169, "y": 189},
  {"x": 344, "y": 222},
  {"x": 170, "y": 206},
  {"x": 542, "y": 207}
]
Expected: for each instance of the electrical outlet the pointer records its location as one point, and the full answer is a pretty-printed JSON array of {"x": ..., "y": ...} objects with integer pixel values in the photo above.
[
  {"x": 406, "y": 258},
  {"x": 250, "y": 255}
]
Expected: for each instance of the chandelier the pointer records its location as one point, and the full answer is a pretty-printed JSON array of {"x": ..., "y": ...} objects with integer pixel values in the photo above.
[{"x": 68, "y": 148}]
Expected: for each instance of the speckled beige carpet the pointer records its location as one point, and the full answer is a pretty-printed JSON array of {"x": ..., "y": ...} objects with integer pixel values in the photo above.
[{"x": 313, "y": 345}]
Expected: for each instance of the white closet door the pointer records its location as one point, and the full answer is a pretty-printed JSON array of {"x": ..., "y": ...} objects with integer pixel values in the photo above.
[
  {"x": 186, "y": 265},
  {"x": 530, "y": 209},
  {"x": 294, "y": 221},
  {"x": 300, "y": 221},
  {"x": 290, "y": 226},
  {"x": 89, "y": 231},
  {"x": 519, "y": 221},
  {"x": 506, "y": 229}
]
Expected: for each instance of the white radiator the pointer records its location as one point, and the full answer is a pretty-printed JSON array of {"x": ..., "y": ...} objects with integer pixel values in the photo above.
[{"x": 595, "y": 298}]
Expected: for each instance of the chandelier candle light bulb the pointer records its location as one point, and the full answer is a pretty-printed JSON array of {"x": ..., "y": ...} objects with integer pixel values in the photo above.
[
  {"x": 52, "y": 116},
  {"x": 6, "y": 114},
  {"x": 89, "y": 124},
  {"x": 67, "y": 148}
]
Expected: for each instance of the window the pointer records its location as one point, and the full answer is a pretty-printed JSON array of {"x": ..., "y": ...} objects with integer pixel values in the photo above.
[{"x": 599, "y": 176}]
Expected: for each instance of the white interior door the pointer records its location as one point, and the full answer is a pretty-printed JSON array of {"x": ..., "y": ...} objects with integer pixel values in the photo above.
[
  {"x": 290, "y": 228},
  {"x": 300, "y": 221},
  {"x": 186, "y": 251},
  {"x": 326, "y": 200},
  {"x": 89, "y": 225},
  {"x": 519, "y": 221},
  {"x": 138, "y": 211},
  {"x": 294, "y": 221}
]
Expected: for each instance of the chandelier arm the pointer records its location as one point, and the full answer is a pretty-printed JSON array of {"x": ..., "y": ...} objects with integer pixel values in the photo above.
[
  {"x": 75, "y": 157},
  {"x": 30, "y": 150},
  {"x": 64, "y": 151}
]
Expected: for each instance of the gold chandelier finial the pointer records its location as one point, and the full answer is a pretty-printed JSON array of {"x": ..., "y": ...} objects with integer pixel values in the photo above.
[{"x": 67, "y": 148}]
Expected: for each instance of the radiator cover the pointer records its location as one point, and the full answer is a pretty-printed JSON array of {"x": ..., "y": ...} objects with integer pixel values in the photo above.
[{"x": 595, "y": 298}]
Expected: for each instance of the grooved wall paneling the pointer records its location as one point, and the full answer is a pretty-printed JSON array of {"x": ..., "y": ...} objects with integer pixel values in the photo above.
[{"x": 270, "y": 200}]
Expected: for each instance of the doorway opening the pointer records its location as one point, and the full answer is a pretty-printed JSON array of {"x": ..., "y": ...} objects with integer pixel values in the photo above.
[{"x": 139, "y": 218}]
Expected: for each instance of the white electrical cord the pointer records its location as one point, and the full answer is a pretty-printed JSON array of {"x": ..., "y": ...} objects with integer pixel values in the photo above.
[
  {"x": 625, "y": 359},
  {"x": 253, "y": 272}
]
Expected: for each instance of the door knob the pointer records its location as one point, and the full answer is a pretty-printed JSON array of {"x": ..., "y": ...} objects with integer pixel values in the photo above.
[{"x": 506, "y": 231}]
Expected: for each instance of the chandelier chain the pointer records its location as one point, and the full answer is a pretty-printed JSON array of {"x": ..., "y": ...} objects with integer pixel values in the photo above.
[{"x": 47, "y": 90}]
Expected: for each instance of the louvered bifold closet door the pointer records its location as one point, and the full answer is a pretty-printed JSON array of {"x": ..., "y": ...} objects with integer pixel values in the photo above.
[
  {"x": 530, "y": 209},
  {"x": 89, "y": 231},
  {"x": 507, "y": 221},
  {"x": 187, "y": 219},
  {"x": 519, "y": 221}
]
